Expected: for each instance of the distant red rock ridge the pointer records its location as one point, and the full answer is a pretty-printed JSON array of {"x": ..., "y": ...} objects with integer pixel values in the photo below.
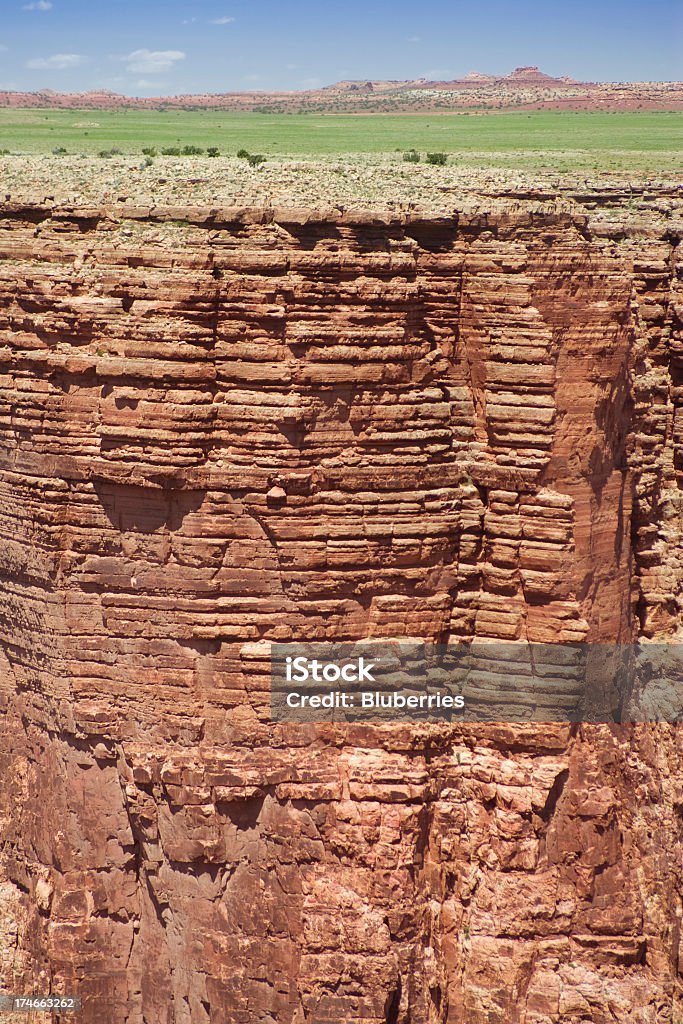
[{"x": 524, "y": 88}]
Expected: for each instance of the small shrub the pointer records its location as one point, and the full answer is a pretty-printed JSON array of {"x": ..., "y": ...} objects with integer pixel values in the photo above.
[
  {"x": 213, "y": 151},
  {"x": 254, "y": 159},
  {"x": 149, "y": 151},
  {"x": 436, "y": 158},
  {"x": 105, "y": 153},
  {"x": 243, "y": 154},
  {"x": 148, "y": 161},
  {"x": 411, "y": 156},
  {"x": 192, "y": 151},
  {"x": 59, "y": 151},
  {"x": 170, "y": 151}
]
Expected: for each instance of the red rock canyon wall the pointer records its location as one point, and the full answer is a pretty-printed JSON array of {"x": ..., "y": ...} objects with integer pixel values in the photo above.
[{"x": 221, "y": 428}]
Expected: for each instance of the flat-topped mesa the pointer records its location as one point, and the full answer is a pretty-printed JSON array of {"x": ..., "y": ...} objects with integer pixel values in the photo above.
[
  {"x": 226, "y": 427},
  {"x": 532, "y": 75}
]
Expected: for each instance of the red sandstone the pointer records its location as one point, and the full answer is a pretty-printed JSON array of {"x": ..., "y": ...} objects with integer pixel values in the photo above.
[{"x": 473, "y": 426}]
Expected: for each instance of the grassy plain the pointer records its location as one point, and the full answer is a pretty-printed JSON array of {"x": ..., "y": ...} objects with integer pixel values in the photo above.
[{"x": 519, "y": 139}]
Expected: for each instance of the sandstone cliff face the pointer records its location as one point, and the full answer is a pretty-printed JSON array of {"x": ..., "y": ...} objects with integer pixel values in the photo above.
[{"x": 222, "y": 428}]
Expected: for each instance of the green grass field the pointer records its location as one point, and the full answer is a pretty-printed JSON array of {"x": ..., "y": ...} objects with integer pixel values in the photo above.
[{"x": 639, "y": 138}]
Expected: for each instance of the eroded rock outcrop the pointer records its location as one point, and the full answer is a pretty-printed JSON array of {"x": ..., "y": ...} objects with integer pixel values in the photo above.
[{"x": 222, "y": 428}]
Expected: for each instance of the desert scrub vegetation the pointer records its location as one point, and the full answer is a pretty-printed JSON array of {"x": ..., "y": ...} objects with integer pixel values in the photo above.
[
  {"x": 253, "y": 159},
  {"x": 412, "y": 156},
  {"x": 181, "y": 151}
]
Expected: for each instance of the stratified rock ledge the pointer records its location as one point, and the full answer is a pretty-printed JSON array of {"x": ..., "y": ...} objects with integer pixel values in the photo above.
[{"x": 222, "y": 427}]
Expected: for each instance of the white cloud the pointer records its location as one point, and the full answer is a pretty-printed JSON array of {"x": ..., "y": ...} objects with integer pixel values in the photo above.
[
  {"x": 57, "y": 62},
  {"x": 152, "y": 61},
  {"x": 38, "y": 5},
  {"x": 413, "y": 39},
  {"x": 221, "y": 21}
]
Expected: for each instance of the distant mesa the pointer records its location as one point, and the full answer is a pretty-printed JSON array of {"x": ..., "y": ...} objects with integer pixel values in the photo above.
[
  {"x": 351, "y": 86},
  {"x": 526, "y": 77},
  {"x": 533, "y": 76},
  {"x": 477, "y": 76},
  {"x": 530, "y": 73}
]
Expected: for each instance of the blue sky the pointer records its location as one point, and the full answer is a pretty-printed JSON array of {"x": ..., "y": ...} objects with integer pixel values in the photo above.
[{"x": 147, "y": 47}]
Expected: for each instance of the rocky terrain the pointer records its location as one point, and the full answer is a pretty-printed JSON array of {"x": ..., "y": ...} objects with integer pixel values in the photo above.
[
  {"x": 256, "y": 418},
  {"x": 524, "y": 88},
  {"x": 630, "y": 197}
]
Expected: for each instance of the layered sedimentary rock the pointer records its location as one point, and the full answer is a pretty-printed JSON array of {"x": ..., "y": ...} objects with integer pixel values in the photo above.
[{"x": 224, "y": 428}]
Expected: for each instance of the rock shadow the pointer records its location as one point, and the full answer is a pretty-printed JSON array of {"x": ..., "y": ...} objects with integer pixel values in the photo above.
[{"x": 132, "y": 509}]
